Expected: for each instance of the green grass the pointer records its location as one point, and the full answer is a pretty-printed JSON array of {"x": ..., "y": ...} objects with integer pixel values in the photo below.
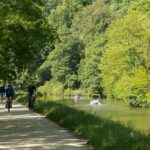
[
  {"x": 100, "y": 133},
  {"x": 21, "y": 97}
]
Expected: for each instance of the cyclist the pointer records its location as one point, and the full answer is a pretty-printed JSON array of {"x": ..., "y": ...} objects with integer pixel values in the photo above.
[
  {"x": 31, "y": 96},
  {"x": 10, "y": 93},
  {"x": 2, "y": 91}
]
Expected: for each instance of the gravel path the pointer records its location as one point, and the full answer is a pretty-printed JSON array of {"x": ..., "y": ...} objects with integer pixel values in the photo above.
[{"x": 24, "y": 130}]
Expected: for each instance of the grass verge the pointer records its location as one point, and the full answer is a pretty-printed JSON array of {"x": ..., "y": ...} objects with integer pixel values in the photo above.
[{"x": 100, "y": 133}]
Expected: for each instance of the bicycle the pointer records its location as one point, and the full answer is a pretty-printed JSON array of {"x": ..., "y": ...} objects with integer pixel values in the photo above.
[
  {"x": 31, "y": 102},
  {"x": 8, "y": 104}
]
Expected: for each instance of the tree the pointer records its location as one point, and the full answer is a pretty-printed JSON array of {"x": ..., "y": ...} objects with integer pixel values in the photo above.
[
  {"x": 24, "y": 32},
  {"x": 125, "y": 63},
  {"x": 90, "y": 24},
  {"x": 65, "y": 59}
]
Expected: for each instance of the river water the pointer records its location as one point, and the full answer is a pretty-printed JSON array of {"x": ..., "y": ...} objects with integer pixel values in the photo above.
[{"x": 139, "y": 118}]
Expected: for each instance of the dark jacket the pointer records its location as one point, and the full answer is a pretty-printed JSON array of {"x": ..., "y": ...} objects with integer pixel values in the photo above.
[{"x": 10, "y": 92}]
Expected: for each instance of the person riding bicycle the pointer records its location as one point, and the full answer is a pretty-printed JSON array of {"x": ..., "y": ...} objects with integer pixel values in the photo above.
[
  {"x": 2, "y": 92},
  {"x": 31, "y": 96},
  {"x": 10, "y": 93}
]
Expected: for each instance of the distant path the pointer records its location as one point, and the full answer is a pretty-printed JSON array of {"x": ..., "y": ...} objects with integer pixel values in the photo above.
[{"x": 24, "y": 130}]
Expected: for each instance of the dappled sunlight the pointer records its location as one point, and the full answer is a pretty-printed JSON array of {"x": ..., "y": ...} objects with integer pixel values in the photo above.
[{"x": 22, "y": 129}]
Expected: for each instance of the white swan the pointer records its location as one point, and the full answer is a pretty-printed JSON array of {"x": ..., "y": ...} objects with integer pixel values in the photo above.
[{"x": 95, "y": 102}]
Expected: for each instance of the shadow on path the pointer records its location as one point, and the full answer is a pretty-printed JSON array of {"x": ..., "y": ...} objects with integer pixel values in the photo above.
[{"x": 21, "y": 129}]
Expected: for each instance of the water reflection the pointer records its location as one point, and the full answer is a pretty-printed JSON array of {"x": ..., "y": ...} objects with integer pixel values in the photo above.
[{"x": 114, "y": 110}]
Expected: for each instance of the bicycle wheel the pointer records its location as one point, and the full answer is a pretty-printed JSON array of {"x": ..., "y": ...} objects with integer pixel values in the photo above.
[
  {"x": 32, "y": 104},
  {"x": 8, "y": 105}
]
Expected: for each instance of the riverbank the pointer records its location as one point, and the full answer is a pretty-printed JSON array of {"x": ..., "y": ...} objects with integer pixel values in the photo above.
[{"x": 101, "y": 133}]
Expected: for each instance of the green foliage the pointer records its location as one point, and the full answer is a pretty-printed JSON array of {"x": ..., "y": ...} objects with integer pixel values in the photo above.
[
  {"x": 90, "y": 24},
  {"x": 48, "y": 88},
  {"x": 81, "y": 26},
  {"x": 133, "y": 88},
  {"x": 64, "y": 61},
  {"x": 91, "y": 21},
  {"x": 24, "y": 32},
  {"x": 44, "y": 73},
  {"x": 21, "y": 97},
  {"x": 24, "y": 78},
  {"x": 101, "y": 44},
  {"x": 72, "y": 92},
  {"x": 125, "y": 63}
]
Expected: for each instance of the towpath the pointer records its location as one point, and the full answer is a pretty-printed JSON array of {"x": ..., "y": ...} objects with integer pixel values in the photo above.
[{"x": 24, "y": 130}]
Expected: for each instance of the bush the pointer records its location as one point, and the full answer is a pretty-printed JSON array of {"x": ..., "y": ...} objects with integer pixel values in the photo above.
[{"x": 51, "y": 88}]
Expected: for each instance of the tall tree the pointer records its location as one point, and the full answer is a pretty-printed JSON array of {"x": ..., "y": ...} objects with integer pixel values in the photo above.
[
  {"x": 126, "y": 62},
  {"x": 24, "y": 32}
]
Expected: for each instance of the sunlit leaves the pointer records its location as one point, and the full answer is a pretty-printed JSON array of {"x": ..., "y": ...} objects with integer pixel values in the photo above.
[
  {"x": 24, "y": 32},
  {"x": 125, "y": 64}
]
